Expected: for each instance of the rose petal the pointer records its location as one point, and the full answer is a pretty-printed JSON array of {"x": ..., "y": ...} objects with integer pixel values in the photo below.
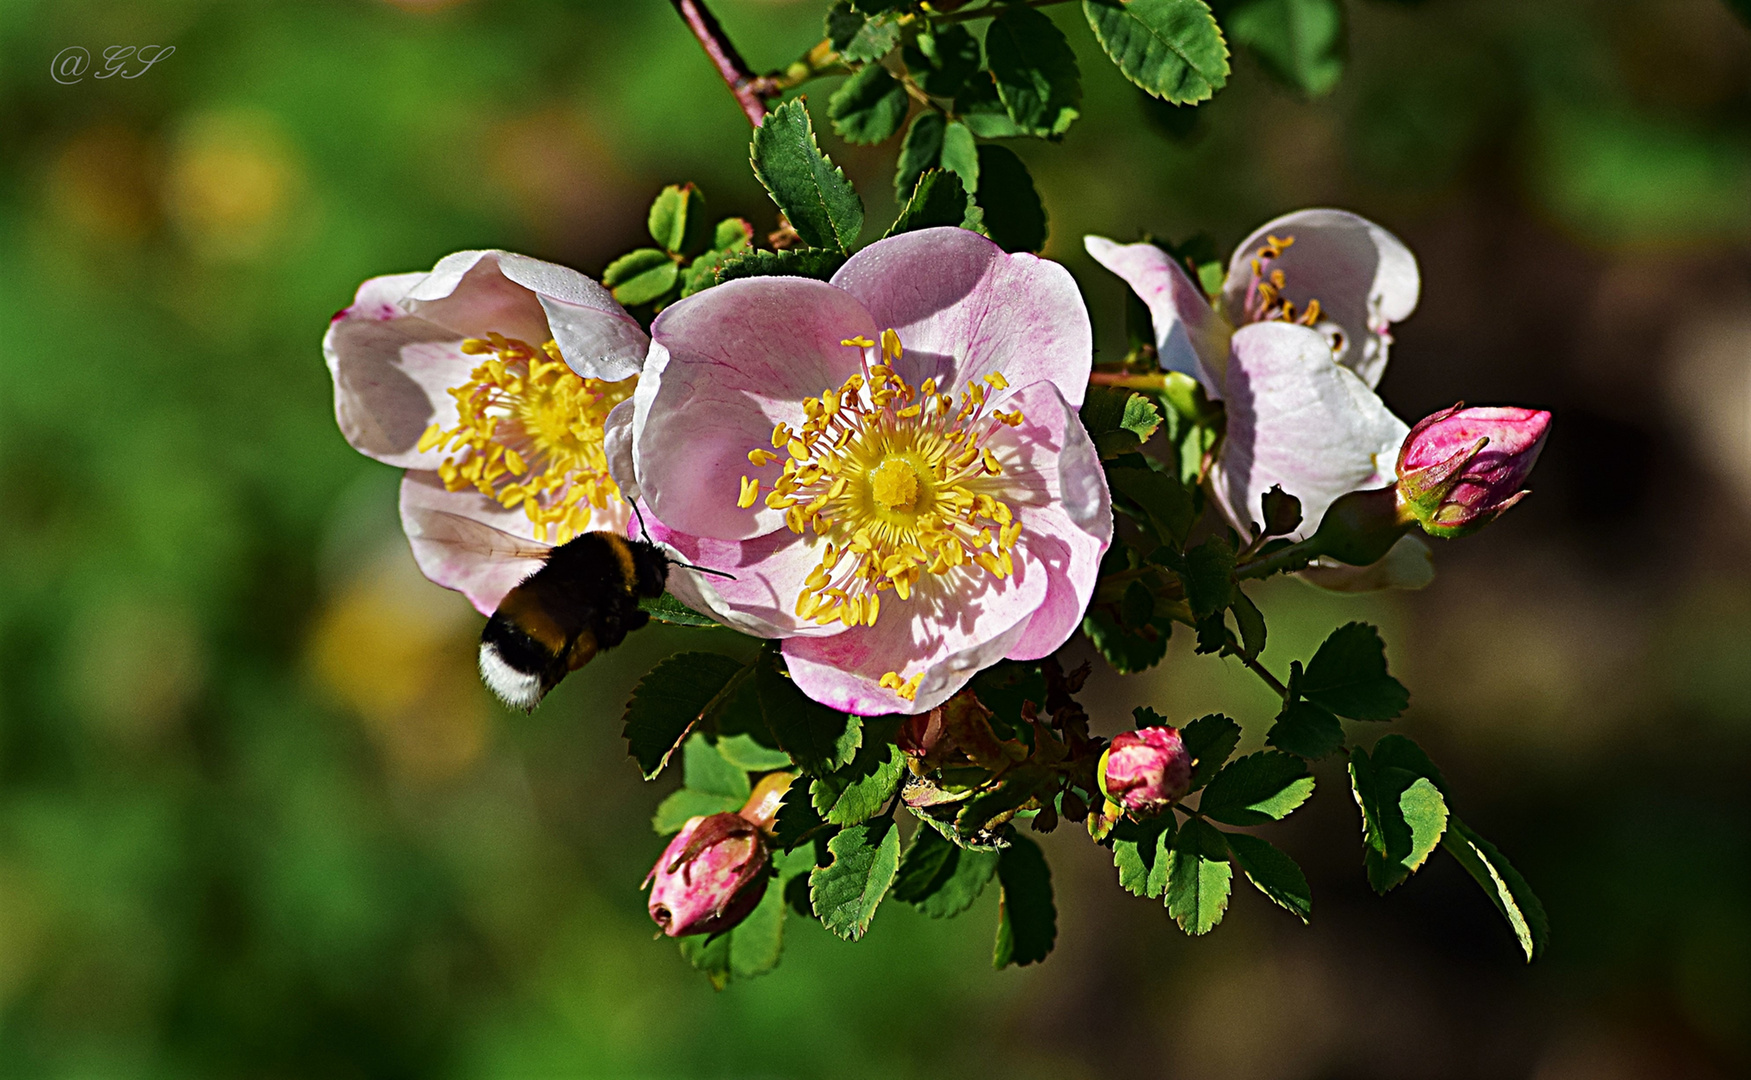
[
  {"x": 617, "y": 447},
  {"x": 964, "y": 308},
  {"x": 1297, "y": 419},
  {"x": 1189, "y": 335},
  {"x": 1409, "y": 565},
  {"x": 391, "y": 372},
  {"x": 725, "y": 366},
  {"x": 1364, "y": 278},
  {"x": 465, "y": 541},
  {"x": 474, "y": 293}
]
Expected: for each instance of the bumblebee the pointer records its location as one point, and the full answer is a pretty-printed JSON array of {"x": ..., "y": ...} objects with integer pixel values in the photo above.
[{"x": 581, "y": 599}]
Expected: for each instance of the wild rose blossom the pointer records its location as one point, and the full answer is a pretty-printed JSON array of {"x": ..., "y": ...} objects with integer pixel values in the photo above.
[
  {"x": 1293, "y": 345},
  {"x": 890, "y": 464},
  {"x": 489, "y": 380}
]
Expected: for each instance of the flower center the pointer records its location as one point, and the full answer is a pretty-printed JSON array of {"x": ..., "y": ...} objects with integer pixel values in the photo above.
[
  {"x": 899, "y": 481},
  {"x": 529, "y": 434},
  {"x": 1264, "y": 293}
]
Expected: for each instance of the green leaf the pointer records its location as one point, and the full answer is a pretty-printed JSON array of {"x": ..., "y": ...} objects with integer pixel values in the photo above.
[
  {"x": 998, "y": 803},
  {"x": 940, "y": 62},
  {"x": 1118, "y": 421},
  {"x": 1014, "y": 216},
  {"x": 858, "y": 792},
  {"x": 1266, "y": 786},
  {"x": 1272, "y": 873},
  {"x": 1027, "y": 925},
  {"x": 1126, "y": 650},
  {"x": 817, "y": 738},
  {"x": 857, "y": 37},
  {"x": 1306, "y": 729},
  {"x": 938, "y": 201},
  {"x": 704, "y": 770},
  {"x": 685, "y": 803},
  {"x": 1140, "y": 853},
  {"x": 1504, "y": 886},
  {"x": 920, "y": 150},
  {"x": 642, "y": 276},
  {"x": 813, "y": 193},
  {"x": 1137, "y": 606},
  {"x": 1035, "y": 70},
  {"x": 816, "y": 263},
  {"x": 667, "y": 609},
  {"x": 1164, "y": 501},
  {"x": 868, "y": 107},
  {"x": 960, "y": 155},
  {"x": 677, "y": 220},
  {"x": 1403, "y": 812},
  {"x": 744, "y": 753},
  {"x": 1251, "y": 622},
  {"x": 1425, "y": 811},
  {"x": 797, "y": 820},
  {"x": 1209, "y": 576},
  {"x": 846, "y": 893},
  {"x": 1173, "y": 49},
  {"x": 1400, "y": 752},
  {"x": 1299, "y": 42},
  {"x": 1209, "y": 739},
  {"x": 941, "y": 879},
  {"x": 982, "y": 112},
  {"x": 1348, "y": 676},
  {"x": 732, "y": 234},
  {"x": 1198, "y": 877},
  {"x": 669, "y": 700}
]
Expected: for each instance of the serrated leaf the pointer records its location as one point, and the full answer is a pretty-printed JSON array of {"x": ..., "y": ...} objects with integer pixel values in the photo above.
[
  {"x": 1209, "y": 739},
  {"x": 1425, "y": 811},
  {"x": 920, "y": 150},
  {"x": 642, "y": 276},
  {"x": 1348, "y": 676},
  {"x": 668, "y": 701},
  {"x": 1400, "y": 752},
  {"x": 817, "y": 738},
  {"x": 1272, "y": 873},
  {"x": 1199, "y": 879},
  {"x": 1504, "y": 886},
  {"x": 1034, "y": 69},
  {"x": 1128, "y": 651},
  {"x": 857, "y": 37},
  {"x": 1015, "y": 218},
  {"x": 1140, "y": 851},
  {"x": 732, "y": 234},
  {"x": 869, "y": 106},
  {"x": 861, "y": 789},
  {"x": 1261, "y": 787},
  {"x": 704, "y": 770},
  {"x": 1209, "y": 576},
  {"x": 1250, "y": 621},
  {"x": 846, "y": 893},
  {"x": 982, "y": 112},
  {"x": 685, "y": 803},
  {"x": 939, "y": 200},
  {"x": 1164, "y": 501},
  {"x": 1299, "y": 42},
  {"x": 677, "y": 220},
  {"x": 797, "y": 820},
  {"x": 813, "y": 193},
  {"x": 744, "y": 753},
  {"x": 941, "y": 879},
  {"x": 1027, "y": 920},
  {"x": 1141, "y": 417},
  {"x": 814, "y": 263},
  {"x": 960, "y": 155},
  {"x": 667, "y": 609},
  {"x": 1306, "y": 729},
  {"x": 941, "y": 61},
  {"x": 1172, "y": 49},
  {"x": 1403, "y": 813}
]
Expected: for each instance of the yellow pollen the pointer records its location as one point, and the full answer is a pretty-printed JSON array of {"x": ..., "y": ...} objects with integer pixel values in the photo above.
[
  {"x": 529, "y": 435},
  {"x": 899, "y": 483}
]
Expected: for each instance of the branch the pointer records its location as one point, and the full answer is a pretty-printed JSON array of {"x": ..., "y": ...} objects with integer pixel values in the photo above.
[{"x": 751, "y": 91}]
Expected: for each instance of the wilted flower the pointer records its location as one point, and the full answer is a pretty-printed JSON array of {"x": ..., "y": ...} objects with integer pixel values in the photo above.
[
  {"x": 1461, "y": 468},
  {"x": 710, "y": 876},
  {"x": 891, "y": 464},
  {"x": 489, "y": 380},
  {"x": 1146, "y": 771},
  {"x": 1293, "y": 345}
]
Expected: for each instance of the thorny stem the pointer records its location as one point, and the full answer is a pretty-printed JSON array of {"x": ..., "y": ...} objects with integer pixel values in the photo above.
[{"x": 751, "y": 91}]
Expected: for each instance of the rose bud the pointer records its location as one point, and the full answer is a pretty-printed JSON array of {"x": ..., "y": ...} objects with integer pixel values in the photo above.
[
  {"x": 1461, "y": 468},
  {"x": 1146, "y": 771},
  {"x": 710, "y": 876}
]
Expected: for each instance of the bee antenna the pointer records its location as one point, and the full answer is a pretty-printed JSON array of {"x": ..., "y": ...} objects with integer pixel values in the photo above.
[
  {"x": 706, "y": 570},
  {"x": 641, "y": 525}
]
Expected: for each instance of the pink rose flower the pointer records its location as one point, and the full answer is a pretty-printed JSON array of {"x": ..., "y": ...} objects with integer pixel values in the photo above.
[
  {"x": 891, "y": 464},
  {"x": 489, "y": 380},
  {"x": 1146, "y": 771},
  {"x": 1293, "y": 345}
]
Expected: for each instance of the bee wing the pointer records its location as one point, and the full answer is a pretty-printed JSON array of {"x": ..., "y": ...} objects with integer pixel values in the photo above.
[{"x": 462, "y": 534}]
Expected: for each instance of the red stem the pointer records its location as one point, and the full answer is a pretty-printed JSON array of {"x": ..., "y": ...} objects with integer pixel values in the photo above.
[{"x": 752, "y": 91}]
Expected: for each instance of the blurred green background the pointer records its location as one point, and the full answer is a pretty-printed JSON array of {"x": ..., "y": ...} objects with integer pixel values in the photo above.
[{"x": 257, "y": 818}]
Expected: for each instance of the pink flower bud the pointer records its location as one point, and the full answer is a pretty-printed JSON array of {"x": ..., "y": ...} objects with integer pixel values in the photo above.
[
  {"x": 710, "y": 876},
  {"x": 1146, "y": 771},
  {"x": 1461, "y": 468}
]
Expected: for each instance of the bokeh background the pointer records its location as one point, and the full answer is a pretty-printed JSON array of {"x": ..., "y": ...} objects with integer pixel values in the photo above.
[{"x": 257, "y": 818}]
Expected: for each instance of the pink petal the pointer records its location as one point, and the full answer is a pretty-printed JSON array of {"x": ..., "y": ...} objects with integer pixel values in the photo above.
[
  {"x": 391, "y": 372},
  {"x": 725, "y": 366},
  {"x": 465, "y": 541},
  {"x": 1298, "y": 419},
  {"x": 1364, "y": 278},
  {"x": 964, "y": 307},
  {"x": 1190, "y": 336},
  {"x": 477, "y": 292}
]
